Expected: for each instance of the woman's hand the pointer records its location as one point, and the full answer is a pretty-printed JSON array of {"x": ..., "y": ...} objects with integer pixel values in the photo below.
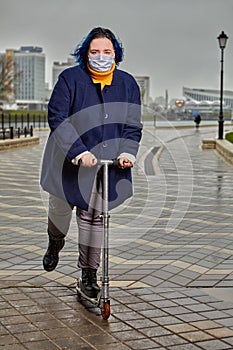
[
  {"x": 88, "y": 160},
  {"x": 124, "y": 163}
]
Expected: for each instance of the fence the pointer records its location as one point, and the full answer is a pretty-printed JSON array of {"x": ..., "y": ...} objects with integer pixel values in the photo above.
[{"x": 16, "y": 125}]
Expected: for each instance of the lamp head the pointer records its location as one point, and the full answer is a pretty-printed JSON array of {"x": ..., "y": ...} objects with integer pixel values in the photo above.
[{"x": 222, "y": 39}]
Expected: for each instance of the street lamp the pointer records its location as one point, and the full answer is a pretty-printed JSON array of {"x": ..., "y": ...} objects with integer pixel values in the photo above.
[{"x": 222, "y": 39}]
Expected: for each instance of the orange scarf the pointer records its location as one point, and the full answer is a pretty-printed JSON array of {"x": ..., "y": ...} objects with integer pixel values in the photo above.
[{"x": 104, "y": 78}]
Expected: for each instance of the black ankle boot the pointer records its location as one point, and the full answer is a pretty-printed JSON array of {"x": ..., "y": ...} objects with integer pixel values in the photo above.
[
  {"x": 93, "y": 280},
  {"x": 51, "y": 256},
  {"x": 85, "y": 284}
]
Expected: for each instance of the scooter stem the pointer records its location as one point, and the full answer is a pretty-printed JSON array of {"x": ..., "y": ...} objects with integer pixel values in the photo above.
[{"x": 105, "y": 277}]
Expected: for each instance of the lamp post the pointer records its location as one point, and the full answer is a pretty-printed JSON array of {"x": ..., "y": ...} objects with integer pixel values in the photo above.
[{"x": 222, "y": 39}]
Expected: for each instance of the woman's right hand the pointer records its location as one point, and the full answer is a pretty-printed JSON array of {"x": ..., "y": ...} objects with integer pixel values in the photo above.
[{"x": 88, "y": 160}]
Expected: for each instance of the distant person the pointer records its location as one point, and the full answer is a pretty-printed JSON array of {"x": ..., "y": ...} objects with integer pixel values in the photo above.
[
  {"x": 197, "y": 119},
  {"x": 94, "y": 112}
]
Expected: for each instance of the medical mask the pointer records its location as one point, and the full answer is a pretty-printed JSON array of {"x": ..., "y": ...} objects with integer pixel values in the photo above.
[{"x": 101, "y": 62}]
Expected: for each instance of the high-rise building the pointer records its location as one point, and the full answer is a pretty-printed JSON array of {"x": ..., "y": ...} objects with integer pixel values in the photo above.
[
  {"x": 25, "y": 76},
  {"x": 29, "y": 85}
]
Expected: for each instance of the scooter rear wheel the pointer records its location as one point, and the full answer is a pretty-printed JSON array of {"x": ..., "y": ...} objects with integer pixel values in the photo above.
[{"x": 105, "y": 310}]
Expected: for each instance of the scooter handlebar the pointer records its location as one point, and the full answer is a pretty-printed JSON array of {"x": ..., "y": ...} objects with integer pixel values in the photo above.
[
  {"x": 103, "y": 162},
  {"x": 108, "y": 162}
]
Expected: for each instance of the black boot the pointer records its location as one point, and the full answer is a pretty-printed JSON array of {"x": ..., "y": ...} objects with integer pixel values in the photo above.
[
  {"x": 93, "y": 280},
  {"x": 85, "y": 284},
  {"x": 51, "y": 256}
]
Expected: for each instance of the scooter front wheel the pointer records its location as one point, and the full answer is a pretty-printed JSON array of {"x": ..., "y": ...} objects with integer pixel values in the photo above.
[{"x": 105, "y": 310}]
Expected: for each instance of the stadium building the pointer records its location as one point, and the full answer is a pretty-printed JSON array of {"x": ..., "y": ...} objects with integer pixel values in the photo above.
[{"x": 207, "y": 101}]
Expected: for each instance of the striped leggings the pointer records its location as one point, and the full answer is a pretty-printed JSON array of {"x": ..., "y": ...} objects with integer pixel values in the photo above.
[{"x": 89, "y": 227}]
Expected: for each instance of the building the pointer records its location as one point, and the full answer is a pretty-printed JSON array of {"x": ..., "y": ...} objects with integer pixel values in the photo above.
[
  {"x": 59, "y": 67},
  {"x": 207, "y": 102},
  {"x": 27, "y": 67},
  {"x": 199, "y": 95},
  {"x": 144, "y": 85},
  {"x": 30, "y": 85}
]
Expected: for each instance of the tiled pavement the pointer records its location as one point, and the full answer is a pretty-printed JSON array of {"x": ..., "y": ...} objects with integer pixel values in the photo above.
[{"x": 171, "y": 264}]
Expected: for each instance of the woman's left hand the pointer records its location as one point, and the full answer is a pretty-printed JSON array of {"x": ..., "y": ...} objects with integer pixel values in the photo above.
[{"x": 124, "y": 163}]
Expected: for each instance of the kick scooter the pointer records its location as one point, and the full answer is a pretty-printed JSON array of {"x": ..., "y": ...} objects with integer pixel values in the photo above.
[{"x": 102, "y": 300}]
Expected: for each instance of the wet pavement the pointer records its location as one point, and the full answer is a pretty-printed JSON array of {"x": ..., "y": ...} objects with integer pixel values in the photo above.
[{"x": 171, "y": 255}]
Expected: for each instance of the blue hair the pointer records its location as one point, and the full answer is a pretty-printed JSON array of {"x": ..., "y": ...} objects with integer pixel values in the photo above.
[{"x": 81, "y": 51}]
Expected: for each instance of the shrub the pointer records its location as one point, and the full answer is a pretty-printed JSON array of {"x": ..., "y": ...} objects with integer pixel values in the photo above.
[{"x": 229, "y": 137}]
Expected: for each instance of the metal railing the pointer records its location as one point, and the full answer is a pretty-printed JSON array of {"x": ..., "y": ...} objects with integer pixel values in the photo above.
[
  {"x": 17, "y": 125},
  {"x": 11, "y": 132}
]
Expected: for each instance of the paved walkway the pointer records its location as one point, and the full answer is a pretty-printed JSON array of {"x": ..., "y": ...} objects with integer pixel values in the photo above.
[{"x": 171, "y": 257}]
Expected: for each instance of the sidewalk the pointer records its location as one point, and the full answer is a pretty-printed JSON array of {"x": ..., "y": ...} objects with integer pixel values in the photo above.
[{"x": 171, "y": 256}]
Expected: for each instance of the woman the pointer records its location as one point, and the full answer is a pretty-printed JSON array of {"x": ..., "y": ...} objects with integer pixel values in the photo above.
[{"x": 94, "y": 112}]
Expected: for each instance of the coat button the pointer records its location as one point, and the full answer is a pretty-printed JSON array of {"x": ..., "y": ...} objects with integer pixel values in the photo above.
[
  {"x": 105, "y": 144},
  {"x": 106, "y": 115}
]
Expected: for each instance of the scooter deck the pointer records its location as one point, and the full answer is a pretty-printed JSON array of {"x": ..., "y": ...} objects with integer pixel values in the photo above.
[
  {"x": 99, "y": 302},
  {"x": 95, "y": 301}
]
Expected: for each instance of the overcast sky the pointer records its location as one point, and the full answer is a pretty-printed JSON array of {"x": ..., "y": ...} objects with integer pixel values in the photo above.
[{"x": 172, "y": 41}]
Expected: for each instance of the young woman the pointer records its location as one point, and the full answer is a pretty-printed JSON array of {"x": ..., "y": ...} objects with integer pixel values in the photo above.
[{"x": 94, "y": 112}]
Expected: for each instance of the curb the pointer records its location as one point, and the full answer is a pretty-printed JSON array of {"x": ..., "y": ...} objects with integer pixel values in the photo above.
[
  {"x": 223, "y": 147},
  {"x": 21, "y": 142}
]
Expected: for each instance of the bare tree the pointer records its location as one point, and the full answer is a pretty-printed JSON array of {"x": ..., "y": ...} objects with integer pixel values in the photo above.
[
  {"x": 9, "y": 76},
  {"x": 3, "y": 78}
]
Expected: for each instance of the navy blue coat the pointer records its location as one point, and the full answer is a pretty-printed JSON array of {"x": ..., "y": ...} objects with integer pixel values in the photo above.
[{"x": 82, "y": 117}]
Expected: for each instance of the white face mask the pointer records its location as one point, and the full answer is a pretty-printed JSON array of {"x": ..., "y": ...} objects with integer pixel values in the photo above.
[{"x": 101, "y": 62}]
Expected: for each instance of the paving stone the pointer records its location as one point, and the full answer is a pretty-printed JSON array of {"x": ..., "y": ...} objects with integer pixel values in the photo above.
[
  {"x": 184, "y": 347},
  {"x": 154, "y": 331},
  {"x": 180, "y": 328},
  {"x": 8, "y": 339},
  {"x": 168, "y": 340},
  {"x": 142, "y": 344},
  {"x": 196, "y": 336},
  {"x": 111, "y": 347},
  {"x": 26, "y": 336},
  {"x": 221, "y": 332},
  {"x": 214, "y": 344},
  {"x": 41, "y": 345}
]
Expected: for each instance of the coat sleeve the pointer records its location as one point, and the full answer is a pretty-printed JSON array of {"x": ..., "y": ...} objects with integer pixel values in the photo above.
[
  {"x": 63, "y": 132},
  {"x": 132, "y": 131}
]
